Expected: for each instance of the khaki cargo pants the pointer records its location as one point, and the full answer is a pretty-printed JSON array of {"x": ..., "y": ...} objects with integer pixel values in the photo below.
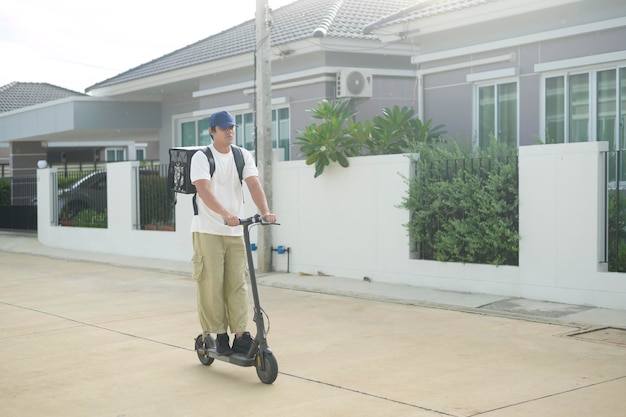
[{"x": 220, "y": 269}]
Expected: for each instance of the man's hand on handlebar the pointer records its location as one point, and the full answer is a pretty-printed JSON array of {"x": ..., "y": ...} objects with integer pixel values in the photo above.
[
  {"x": 269, "y": 218},
  {"x": 231, "y": 220}
]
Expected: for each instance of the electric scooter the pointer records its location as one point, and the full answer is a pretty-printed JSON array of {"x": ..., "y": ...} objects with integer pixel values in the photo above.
[{"x": 260, "y": 355}]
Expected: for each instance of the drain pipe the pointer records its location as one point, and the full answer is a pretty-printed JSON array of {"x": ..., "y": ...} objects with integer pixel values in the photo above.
[{"x": 420, "y": 96}]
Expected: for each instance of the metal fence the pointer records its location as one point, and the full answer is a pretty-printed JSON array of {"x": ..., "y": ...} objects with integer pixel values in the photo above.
[
  {"x": 18, "y": 191},
  {"x": 444, "y": 196},
  {"x": 18, "y": 196},
  {"x": 615, "y": 213},
  {"x": 81, "y": 198},
  {"x": 155, "y": 200}
]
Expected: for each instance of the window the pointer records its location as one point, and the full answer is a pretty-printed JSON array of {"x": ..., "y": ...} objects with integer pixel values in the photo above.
[
  {"x": 586, "y": 106},
  {"x": 497, "y": 114},
  {"x": 115, "y": 154},
  {"x": 555, "y": 110},
  {"x": 579, "y": 108},
  {"x": 140, "y": 154},
  {"x": 280, "y": 130},
  {"x": 196, "y": 132},
  {"x": 245, "y": 131}
]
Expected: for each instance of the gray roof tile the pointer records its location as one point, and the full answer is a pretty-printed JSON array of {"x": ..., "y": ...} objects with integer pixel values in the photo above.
[
  {"x": 17, "y": 95},
  {"x": 424, "y": 9},
  {"x": 293, "y": 22}
]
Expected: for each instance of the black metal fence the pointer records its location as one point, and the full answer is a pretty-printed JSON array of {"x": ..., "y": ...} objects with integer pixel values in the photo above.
[
  {"x": 82, "y": 198},
  {"x": 18, "y": 196},
  {"x": 467, "y": 210},
  {"x": 155, "y": 200},
  {"x": 615, "y": 179}
]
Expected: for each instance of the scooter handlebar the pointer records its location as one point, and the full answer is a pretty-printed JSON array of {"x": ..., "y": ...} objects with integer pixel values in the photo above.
[{"x": 257, "y": 218}]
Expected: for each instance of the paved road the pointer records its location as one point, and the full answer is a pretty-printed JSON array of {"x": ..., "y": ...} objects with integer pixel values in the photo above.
[{"x": 83, "y": 338}]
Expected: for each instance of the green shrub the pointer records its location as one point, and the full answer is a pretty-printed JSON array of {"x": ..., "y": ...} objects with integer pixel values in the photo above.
[
  {"x": 155, "y": 200},
  {"x": 334, "y": 139},
  {"x": 91, "y": 218},
  {"x": 617, "y": 232},
  {"x": 397, "y": 130},
  {"x": 338, "y": 137},
  {"x": 464, "y": 204}
]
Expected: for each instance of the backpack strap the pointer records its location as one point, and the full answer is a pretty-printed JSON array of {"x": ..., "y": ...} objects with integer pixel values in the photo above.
[{"x": 239, "y": 162}]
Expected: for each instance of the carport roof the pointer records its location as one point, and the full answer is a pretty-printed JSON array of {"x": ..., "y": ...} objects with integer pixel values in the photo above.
[
  {"x": 17, "y": 95},
  {"x": 80, "y": 117}
]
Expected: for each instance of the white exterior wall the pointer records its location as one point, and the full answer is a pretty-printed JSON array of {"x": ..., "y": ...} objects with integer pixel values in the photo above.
[
  {"x": 119, "y": 238},
  {"x": 346, "y": 223},
  {"x": 562, "y": 226}
]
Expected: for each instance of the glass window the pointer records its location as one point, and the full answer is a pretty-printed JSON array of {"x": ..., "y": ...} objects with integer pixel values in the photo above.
[
  {"x": 555, "y": 110},
  {"x": 606, "y": 107},
  {"x": 115, "y": 154},
  {"x": 507, "y": 113},
  {"x": 579, "y": 108},
  {"x": 248, "y": 134},
  {"x": 497, "y": 114},
  {"x": 586, "y": 106},
  {"x": 204, "y": 136},
  {"x": 486, "y": 115},
  {"x": 280, "y": 127},
  {"x": 239, "y": 130},
  {"x": 196, "y": 132},
  {"x": 188, "y": 133},
  {"x": 245, "y": 131}
]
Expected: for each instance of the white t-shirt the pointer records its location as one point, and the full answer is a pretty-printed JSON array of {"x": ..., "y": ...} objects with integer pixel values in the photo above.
[{"x": 225, "y": 186}]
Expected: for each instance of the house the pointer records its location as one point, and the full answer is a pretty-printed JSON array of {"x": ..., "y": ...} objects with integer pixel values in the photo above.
[
  {"x": 40, "y": 121},
  {"x": 524, "y": 71},
  {"x": 16, "y": 96},
  {"x": 318, "y": 52},
  {"x": 511, "y": 69},
  {"x": 529, "y": 71}
]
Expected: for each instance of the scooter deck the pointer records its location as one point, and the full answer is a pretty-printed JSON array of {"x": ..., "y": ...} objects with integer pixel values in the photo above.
[{"x": 236, "y": 358}]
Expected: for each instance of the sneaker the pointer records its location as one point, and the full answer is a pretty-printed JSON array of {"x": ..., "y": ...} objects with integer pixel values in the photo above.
[
  {"x": 242, "y": 344},
  {"x": 223, "y": 347}
]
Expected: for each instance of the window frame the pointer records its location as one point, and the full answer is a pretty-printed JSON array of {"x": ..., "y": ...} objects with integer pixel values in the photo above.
[
  {"x": 241, "y": 132},
  {"x": 592, "y": 71},
  {"x": 115, "y": 149},
  {"x": 496, "y": 82}
]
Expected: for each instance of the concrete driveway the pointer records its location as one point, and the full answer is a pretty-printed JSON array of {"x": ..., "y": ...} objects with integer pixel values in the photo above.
[{"x": 83, "y": 338}]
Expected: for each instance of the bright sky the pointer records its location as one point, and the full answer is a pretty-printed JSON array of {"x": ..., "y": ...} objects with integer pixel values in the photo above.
[{"x": 76, "y": 43}]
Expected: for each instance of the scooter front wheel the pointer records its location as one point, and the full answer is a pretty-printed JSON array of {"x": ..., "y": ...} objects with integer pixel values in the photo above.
[
  {"x": 266, "y": 367},
  {"x": 202, "y": 356}
]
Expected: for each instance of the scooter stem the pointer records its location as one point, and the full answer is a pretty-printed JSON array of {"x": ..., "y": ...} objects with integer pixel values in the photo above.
[{"x": 258, "y": 315}]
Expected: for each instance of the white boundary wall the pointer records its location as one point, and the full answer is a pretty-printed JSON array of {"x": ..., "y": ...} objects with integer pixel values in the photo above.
[{"x": 347, "y": 223}]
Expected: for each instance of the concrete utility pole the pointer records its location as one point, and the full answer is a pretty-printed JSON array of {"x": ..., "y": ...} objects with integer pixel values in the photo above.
[{"x": 263, "y": 121}]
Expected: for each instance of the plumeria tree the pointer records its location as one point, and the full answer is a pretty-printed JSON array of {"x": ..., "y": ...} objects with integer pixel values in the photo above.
[{"x": 339, "y": 136}]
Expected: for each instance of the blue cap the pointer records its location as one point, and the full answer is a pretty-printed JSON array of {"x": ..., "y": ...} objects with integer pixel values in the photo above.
[{"x": 222, "y": 119}]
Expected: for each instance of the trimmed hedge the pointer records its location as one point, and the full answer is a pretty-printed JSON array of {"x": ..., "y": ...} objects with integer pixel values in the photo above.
[{"x": 464, "y": 204}]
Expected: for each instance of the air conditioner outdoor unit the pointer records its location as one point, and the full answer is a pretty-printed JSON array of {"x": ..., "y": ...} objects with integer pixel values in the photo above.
[{"x": 354, "y": 83}]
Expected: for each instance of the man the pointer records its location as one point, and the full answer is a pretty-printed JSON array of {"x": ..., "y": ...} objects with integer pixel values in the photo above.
[{"x": 220, "y": 261}]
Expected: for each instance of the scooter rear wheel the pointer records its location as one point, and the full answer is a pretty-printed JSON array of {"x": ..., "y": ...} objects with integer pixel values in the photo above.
[
  {"x": 203, "y": 357},
  {"x": 269, "y": 371}
]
